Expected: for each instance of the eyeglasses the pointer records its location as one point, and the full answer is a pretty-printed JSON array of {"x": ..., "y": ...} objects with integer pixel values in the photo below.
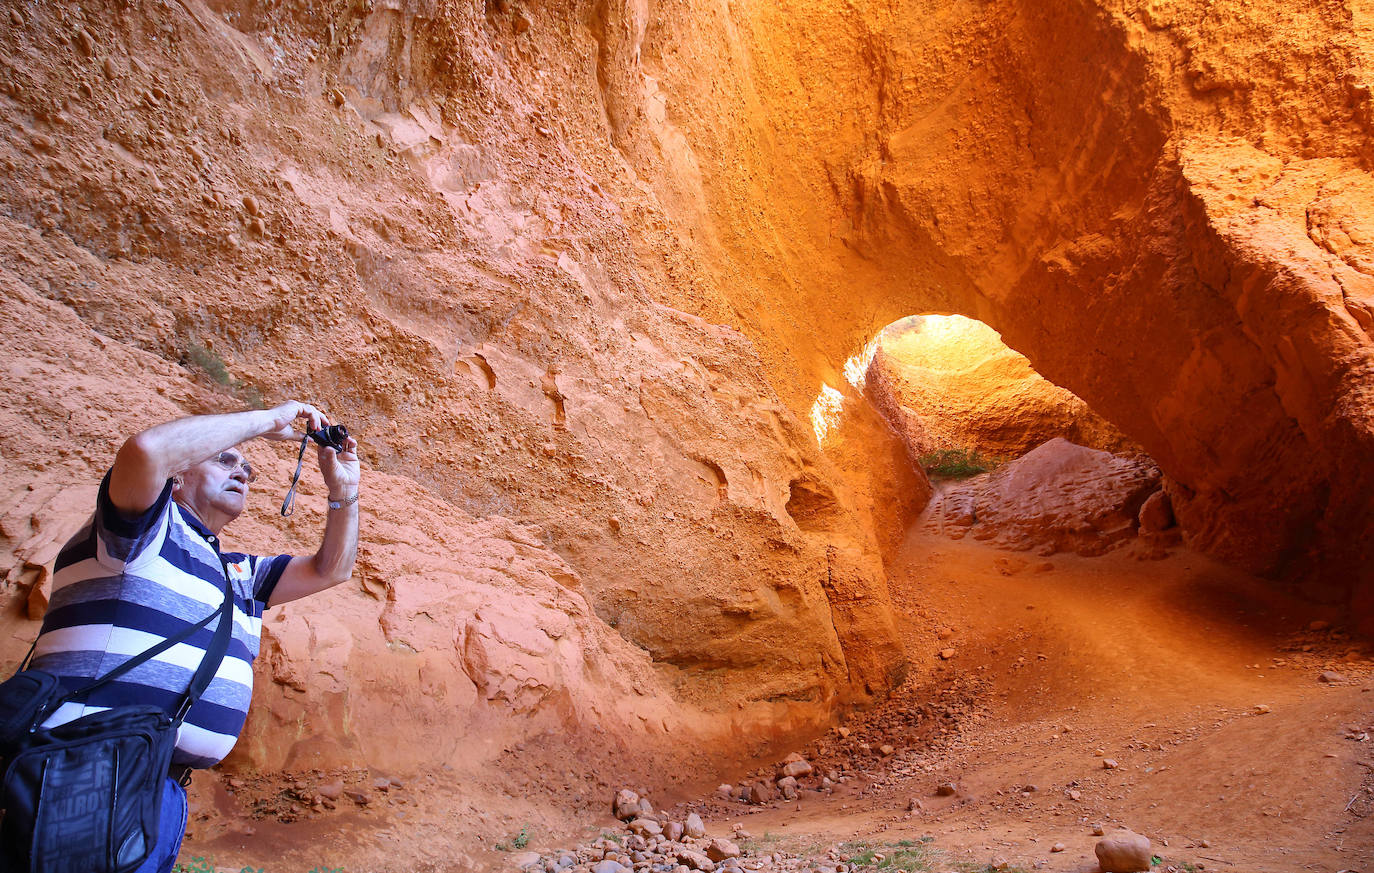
[{"x": 231, "y": 462}]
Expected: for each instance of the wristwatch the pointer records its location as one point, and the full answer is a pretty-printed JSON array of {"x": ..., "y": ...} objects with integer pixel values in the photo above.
[{"x": 347, "y": 501}]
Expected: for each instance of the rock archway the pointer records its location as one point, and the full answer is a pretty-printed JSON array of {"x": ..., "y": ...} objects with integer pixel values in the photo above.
[{"x": 1132, "y": 194}]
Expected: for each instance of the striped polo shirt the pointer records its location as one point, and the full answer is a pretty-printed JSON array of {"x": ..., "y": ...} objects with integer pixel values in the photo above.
[{"x": 123, "y": 584}]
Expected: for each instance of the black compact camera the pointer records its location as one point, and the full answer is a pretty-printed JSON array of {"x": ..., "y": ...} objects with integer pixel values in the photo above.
[{"x": 331, "y": 435}]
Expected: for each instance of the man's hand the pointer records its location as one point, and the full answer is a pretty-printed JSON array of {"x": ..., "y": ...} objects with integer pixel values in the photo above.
[
  {"x": 333, "y": 562},
  {"x": 340, "y": 469},
  {"x": 287, "y": 413}
]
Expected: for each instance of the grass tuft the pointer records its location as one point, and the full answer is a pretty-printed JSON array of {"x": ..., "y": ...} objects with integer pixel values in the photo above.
[{"x": 957, "y": 463}]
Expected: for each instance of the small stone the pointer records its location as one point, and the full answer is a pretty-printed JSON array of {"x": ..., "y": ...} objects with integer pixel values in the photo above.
[
  {"x": 788, "y": 786},
  {"x": 522, "y": 22},
  {"x": 1319, "y": 625},
  {"x": 1331, "y": 677},
  {"x": 695, "y": 860},
  {"x": 1075, "y": 794},
  {"x": 382, "y": 783},
  {"x": 1261, "y": 708},
  {"x": 946, "y": 654},
  {"x": 256, "y": 227},
  {"x": 521, "y": 860},
  {"x": 1109, "y": 764},
  {"x": 886, "y": 750},
  {"x": 362, "y": 798},
  {"x": 42, "y": 142},
  {"x": 673, "y": 831},
  {"x": 946, "y": 789},
  {"x": 1058, "y": 847},
  {"x": 719, "y": 850},
  {"x": 694, "y": 827},
  {"x": 16, "y": 19},
  {"x": 332, "y": 790},
  {"x": 843, "y": 732},
  {"x": 914, "y": 805},
  {"x": 725, "y": 790},
  {"x": 646, "y": 809},
  {"x": 85, "y": 43},
  {"x": 646, "y": 827},
  {"x": 608, "y": 866},
  {"x": 250, "y": 205},
  {"x": 1204, "y": 844},
  {"x": 944, "y": 633},
  {"x": 799, "y": 767},
  {"x": 1123, "y": 852}
]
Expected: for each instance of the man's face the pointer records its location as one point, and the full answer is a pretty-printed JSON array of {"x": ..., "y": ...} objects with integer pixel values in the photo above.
[{"x": 216, "y": 489}]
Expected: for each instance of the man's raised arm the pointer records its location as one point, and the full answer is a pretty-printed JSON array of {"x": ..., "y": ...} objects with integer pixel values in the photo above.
[
  {"x": 333, "y": 562},
  {"x": 148, "y": 459}
]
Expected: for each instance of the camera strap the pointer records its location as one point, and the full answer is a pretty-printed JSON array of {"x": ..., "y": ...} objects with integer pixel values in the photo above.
[{"x": 288, "y": 505}]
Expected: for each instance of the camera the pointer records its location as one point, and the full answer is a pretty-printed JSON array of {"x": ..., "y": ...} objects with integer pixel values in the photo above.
[{"x": 331, "y": 435}]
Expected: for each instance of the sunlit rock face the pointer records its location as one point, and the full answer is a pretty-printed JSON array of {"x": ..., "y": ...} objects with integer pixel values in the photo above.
[{"x": 950, "y": 382}]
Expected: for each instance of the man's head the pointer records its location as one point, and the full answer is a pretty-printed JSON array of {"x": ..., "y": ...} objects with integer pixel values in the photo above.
[{"x": 216, "y": 489}]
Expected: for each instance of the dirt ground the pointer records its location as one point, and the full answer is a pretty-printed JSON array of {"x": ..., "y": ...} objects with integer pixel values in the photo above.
[{"x": 1201, "y": 685}]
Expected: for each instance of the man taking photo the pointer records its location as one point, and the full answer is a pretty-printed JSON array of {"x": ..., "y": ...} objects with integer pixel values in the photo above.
[{"x": 149, "y": 565}]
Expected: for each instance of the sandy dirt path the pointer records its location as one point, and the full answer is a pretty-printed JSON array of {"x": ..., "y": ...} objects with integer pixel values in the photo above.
[{"x": 1230, "y": 752}]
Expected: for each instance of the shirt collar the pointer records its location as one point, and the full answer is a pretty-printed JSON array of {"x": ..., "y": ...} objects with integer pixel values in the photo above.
[{"x": 196, "y": 525}]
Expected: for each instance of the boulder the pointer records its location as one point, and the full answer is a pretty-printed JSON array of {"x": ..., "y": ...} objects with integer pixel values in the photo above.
[
  {"x": 720, "y": 849},
  {"x": 1124, "y": 851},
  {"x": 1060, "y": 497},
  {"x": 626, "y": 805},
  {"x": 1156, "y": 513},
  {"x": 694, "y": 827}
]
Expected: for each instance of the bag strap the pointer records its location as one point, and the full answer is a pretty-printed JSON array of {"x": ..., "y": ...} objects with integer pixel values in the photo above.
[{"x": 219, "y": 645}]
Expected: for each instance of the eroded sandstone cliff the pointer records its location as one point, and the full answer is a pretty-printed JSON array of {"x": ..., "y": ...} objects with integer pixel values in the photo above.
[{"x": 576, "y": 273}]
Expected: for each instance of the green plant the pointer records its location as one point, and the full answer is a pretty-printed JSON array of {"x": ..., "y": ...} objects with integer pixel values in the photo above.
[
  {"x": 195, "y": 865},
  {"x": 903, "y": 855},
  {"x": 521, "y": 840},
  {"x": 957, "y": 463},
  {"x": 206, "y": 359},
  {"x": 322, "y": 870}
]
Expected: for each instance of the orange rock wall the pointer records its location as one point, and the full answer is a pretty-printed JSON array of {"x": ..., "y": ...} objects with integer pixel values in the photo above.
[
  {"x": 577, "y": 505},
  {"x": 576, "y": 273},
  {"x": 1156, "y": 202}
]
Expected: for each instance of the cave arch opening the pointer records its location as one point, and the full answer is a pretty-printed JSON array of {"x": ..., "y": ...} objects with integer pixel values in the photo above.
[
  {"x": 961, "y": 402},
  {"x": 949, "y": 382}
]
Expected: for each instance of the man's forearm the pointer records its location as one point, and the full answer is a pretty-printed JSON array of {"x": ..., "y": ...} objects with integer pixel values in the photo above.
[
  {"x": 148, "y": 459},
  {"x": 175, "y": 445},
  {"x": 339, "y": 550}
]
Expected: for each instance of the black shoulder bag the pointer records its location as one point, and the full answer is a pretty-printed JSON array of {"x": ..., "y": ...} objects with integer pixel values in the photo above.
[{"x": 86, "y": 797}]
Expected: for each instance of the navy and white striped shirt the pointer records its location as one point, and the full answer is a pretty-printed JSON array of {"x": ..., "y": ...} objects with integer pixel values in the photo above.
[{"x": 123, "y": 584}]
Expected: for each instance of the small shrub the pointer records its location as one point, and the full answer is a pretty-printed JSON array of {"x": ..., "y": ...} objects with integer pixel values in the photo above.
[
  {"x": 904, "y": 855},
  {"x": 521, "y": 840},
  {"x": 195, "y": 865},
  {"x": 956, "y": 463}
]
